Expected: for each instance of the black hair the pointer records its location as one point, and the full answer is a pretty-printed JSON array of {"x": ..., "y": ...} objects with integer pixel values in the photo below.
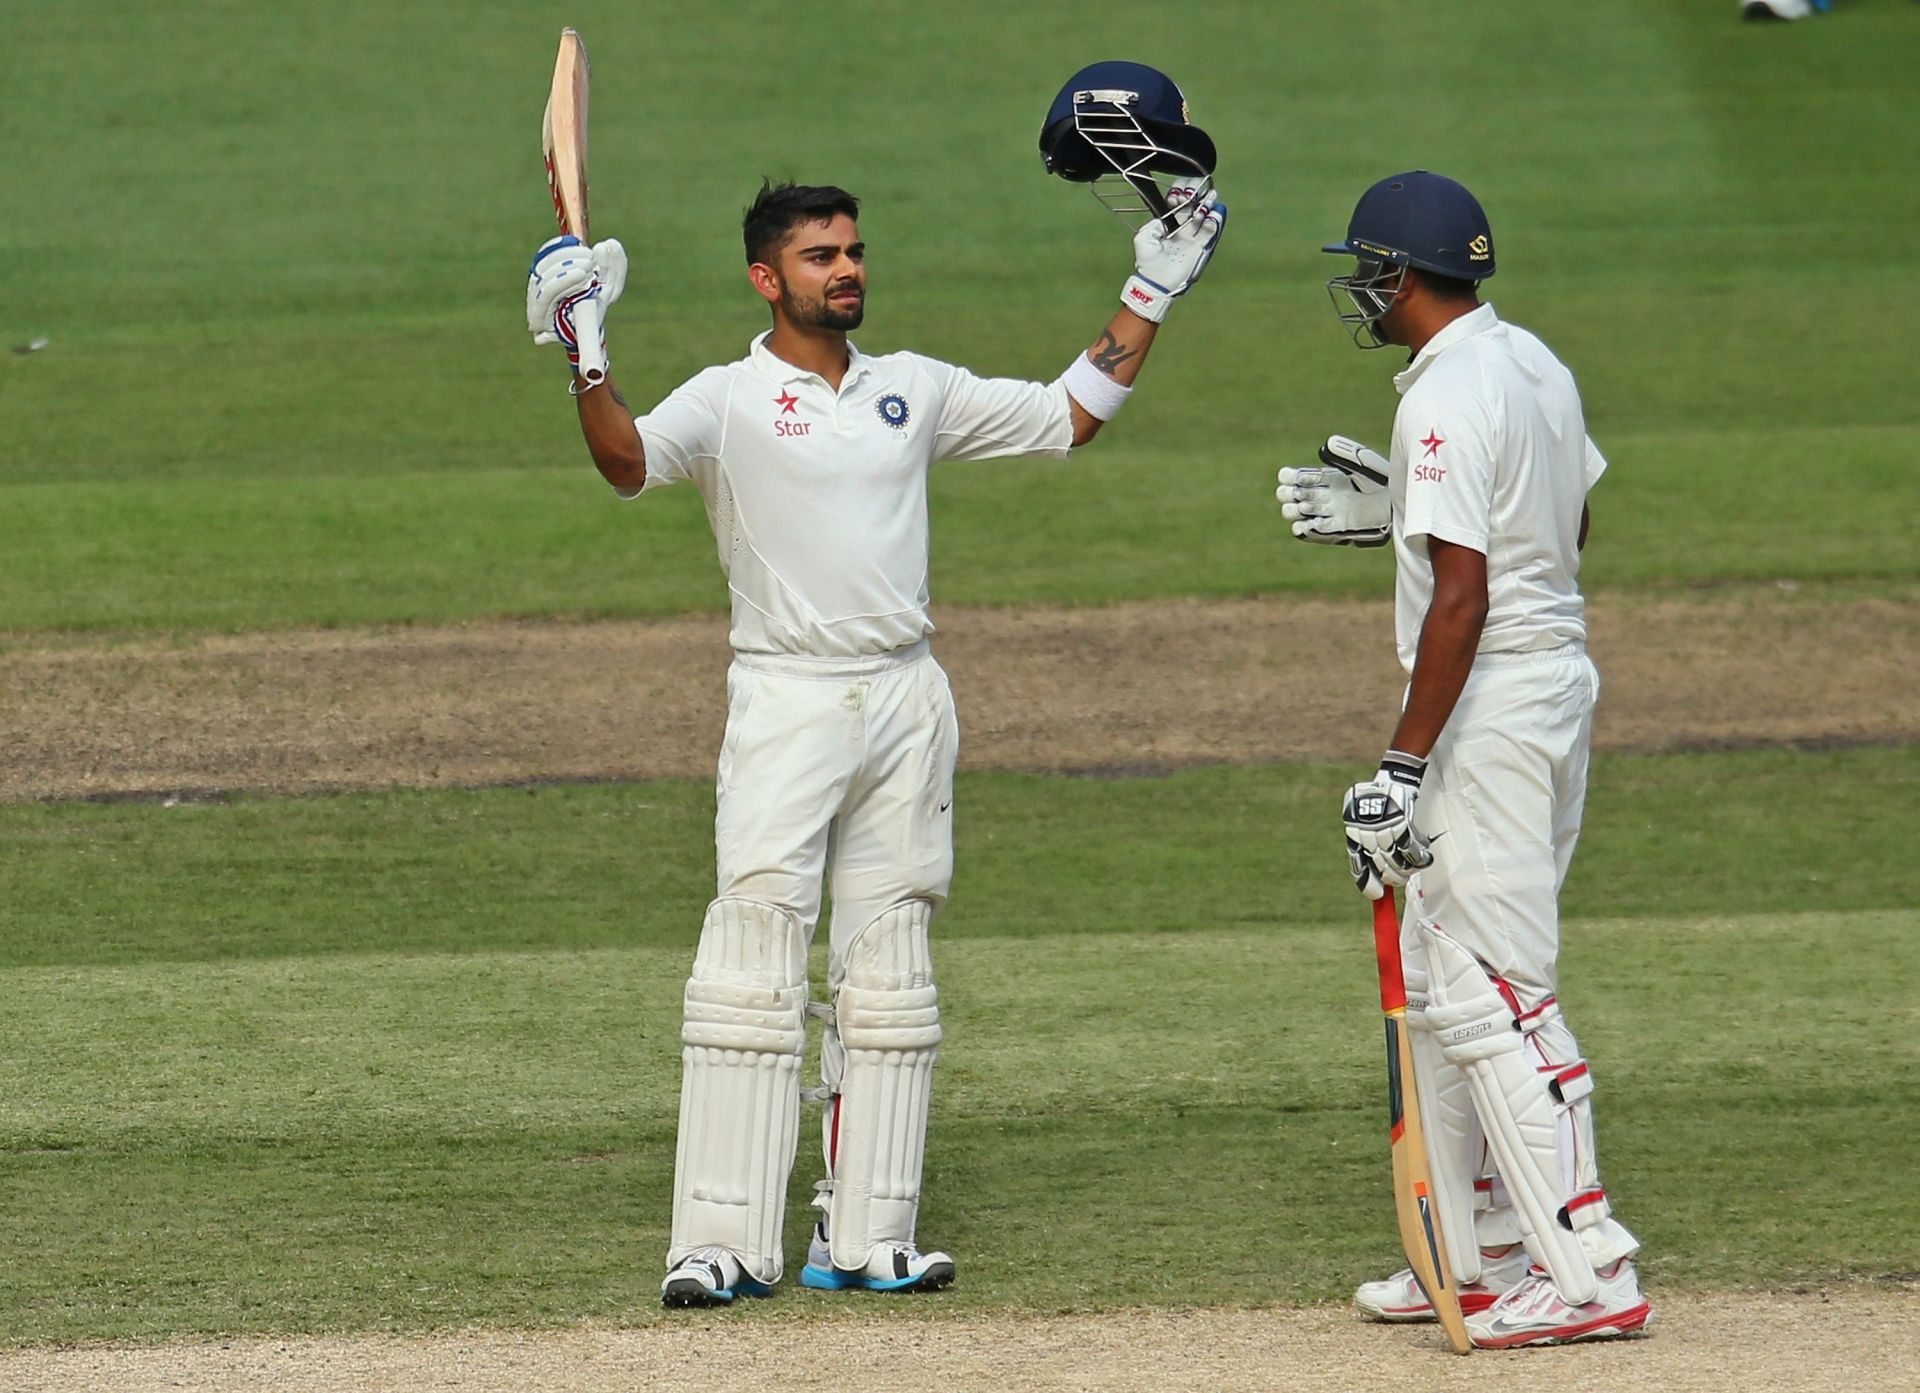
[
  {"x": 779, "y": 208},
  {"x": 1447, "y": 287}
]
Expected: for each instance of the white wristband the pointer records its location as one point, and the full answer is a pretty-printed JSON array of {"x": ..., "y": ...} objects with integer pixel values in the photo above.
[{"x": 1099, "y": 395}]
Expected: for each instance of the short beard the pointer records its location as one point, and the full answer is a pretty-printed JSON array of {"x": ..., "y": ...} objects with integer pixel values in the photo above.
[{"x": 818, "y": 314}]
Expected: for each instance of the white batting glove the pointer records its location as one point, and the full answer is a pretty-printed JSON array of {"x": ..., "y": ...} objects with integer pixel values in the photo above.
[
  {"x": 1342, "y": 503},
  {"x": 1166, "y": 264},
  {"x": 1383, "y": 846},
  {"x": 565, "y": 272}
]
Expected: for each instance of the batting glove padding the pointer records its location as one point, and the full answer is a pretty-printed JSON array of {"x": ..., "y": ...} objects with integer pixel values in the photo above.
[
  {"x": 1166, "y": 264},
  {"x": 565, "y": 272},
  {"x": 1383, "y": 846},
  {"x": 1344, "y": 501}
]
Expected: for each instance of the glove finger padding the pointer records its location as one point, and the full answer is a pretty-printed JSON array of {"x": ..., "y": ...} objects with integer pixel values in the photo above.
[
  {"x": 562, "y": 272},
  {"x": 1304, "y": 493},
  {"x": 610, "y": 264},
  {"x": 1341, "y": 503},
  {"x": 1366, "y": 876}
]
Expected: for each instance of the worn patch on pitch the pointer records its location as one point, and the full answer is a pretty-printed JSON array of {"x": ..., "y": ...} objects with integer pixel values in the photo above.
[{"x": 1130, "y": 688}]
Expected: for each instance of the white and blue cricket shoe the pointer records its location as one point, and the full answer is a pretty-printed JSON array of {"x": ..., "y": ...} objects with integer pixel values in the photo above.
[
  {"x": 708, "y": 1277},
  {"x": 1782, "y": 9},
  {"x": 891, "y": 1267}
]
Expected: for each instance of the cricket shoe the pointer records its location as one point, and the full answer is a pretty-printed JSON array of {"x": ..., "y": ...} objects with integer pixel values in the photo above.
[
  {"x": 1533, "y": 1313},
  {"x": 1399, "y": 1298},
  {"x": 892, "y": 1266},
  {"x": 709, "y": 1277},
  {"x": 1781, "y": 9}
]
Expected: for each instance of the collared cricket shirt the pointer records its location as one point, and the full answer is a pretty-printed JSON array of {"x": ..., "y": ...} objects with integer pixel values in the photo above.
[
  {"x": 818, "y": 498},
  {"x": 1490, "y": 451}
]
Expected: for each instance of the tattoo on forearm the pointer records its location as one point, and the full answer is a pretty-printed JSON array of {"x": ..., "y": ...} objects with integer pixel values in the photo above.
[
  {"x": 617, "y": 397},
  {"x": 1108, "y": 354}
]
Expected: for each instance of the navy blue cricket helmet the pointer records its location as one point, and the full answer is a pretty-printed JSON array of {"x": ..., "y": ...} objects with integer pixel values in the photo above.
[
  {"x": 1123, "y": 128},
  {"x": 1417, "y": 219},
  {"x": 1097, "y": 123},
  {"x": 1421, "y": 219}
]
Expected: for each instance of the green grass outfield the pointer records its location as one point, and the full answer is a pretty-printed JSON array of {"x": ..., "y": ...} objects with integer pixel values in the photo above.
[
  {"x": 279, "y": 253},
  {"x": 402, "y": 1060},
  {"x": 409, "y": 1059}
]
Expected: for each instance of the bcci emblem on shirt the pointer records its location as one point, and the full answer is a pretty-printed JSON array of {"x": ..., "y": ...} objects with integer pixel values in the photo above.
[{"x": 893, "y": 410}]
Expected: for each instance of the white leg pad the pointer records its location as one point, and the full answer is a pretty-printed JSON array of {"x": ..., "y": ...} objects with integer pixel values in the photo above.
[
  {"x": 1455, "y": 1148},
  {"x": 1570, "y": 1081},
  {"x": 1477, "y": 1031},
  {"x": 742, "y": 1041},
  {"x": 887, "y": 1020}
]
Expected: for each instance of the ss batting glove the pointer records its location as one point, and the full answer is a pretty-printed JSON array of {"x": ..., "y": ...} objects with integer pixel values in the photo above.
[
  {"x": 1166, "y": 264},
  {"x": 1343, "y": 501},
  {"x": 1383, "y": 846}
]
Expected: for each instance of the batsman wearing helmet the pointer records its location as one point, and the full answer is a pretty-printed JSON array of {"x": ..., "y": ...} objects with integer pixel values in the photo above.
[
  {"x": 837, "y": 765},
  {"x": 1477, "y": 802}
]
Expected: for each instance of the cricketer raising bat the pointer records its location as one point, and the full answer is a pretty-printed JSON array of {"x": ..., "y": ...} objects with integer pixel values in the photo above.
[
  {"x": 563, "y": 139},
  {"x": 1412, "y": 1180}
]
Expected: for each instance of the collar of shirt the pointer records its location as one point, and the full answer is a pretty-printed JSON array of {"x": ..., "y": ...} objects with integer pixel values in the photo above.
[
  {"x": 1465, "y": 327},
  {"x": 777, "y": 369}
]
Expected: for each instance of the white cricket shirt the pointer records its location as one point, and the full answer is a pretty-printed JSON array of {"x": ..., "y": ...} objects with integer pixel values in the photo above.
[
  {"x": 818, "y": 498},
  {"x": 1490, "y": 451}
]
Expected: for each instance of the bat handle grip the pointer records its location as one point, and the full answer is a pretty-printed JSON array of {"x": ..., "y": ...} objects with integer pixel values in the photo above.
[
  {"x": 593, "y": 348},
  {"x": 1386, "y": 950}
]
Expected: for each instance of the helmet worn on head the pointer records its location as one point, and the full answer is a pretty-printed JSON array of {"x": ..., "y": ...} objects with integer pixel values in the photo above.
[
  {"x": 1417, "y": 219},
  {"x": 1127, "y": 122},
  {"x": 1421, "y": 219}
]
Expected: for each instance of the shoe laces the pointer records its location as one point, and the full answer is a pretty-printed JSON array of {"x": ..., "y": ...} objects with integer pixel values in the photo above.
[
  {"x": 1535, "y": 1296},
  {"x": 723, "y": 1257}
]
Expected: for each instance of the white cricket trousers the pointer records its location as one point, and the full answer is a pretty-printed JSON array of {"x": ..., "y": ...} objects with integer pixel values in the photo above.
[
  {"x": 1505, "y": 789},
  {"x": 837, "y": 771}
]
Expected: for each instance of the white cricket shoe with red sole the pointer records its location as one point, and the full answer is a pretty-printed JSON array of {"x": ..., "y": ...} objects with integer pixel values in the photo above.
[
  {"x": 1533, "y": 1313},
  {"x": 1399, "y": 1298}
]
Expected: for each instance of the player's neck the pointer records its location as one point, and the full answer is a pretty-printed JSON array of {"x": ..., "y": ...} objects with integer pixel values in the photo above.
[
  {"x": 1426, "y": 317},
  {"x": 821, "y": 351}
]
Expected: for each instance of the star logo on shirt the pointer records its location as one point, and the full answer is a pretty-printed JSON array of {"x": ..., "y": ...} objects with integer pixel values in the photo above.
[
  {"x": 1433, "y": 442},
  {"x": 787, "y": 402}
]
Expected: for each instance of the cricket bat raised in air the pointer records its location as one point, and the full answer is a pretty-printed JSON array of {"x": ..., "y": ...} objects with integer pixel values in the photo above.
[
  {"x": 1412, "y": 1179},
  {"x": 563, "y": 139}
]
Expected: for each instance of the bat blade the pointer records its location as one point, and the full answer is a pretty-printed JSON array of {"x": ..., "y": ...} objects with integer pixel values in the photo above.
[
  {"x": 1413, "y": 1201},
  {"x": 564, "y": 134},
  {"x": 563, "y": 141}
]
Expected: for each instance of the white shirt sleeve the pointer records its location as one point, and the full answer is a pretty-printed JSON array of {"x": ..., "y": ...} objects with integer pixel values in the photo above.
[
  {"x": 678, "y": 435},
  {"x": 1596, "y": 464},
  {"x": 991, "y": 417},
  {"x": 1450, "y": 463}
]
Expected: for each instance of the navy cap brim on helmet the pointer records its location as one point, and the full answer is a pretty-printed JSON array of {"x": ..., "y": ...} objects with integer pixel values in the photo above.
[{"x": 1366, "y": 251}]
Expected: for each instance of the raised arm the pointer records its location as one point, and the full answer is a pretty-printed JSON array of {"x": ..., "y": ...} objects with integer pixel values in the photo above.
[
  {"x": 564, "y": 273},
  {"x": 1166, "y": 265},
  {"x": 612, "y": 438},
  {"x": 1118, "y": 354}
]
